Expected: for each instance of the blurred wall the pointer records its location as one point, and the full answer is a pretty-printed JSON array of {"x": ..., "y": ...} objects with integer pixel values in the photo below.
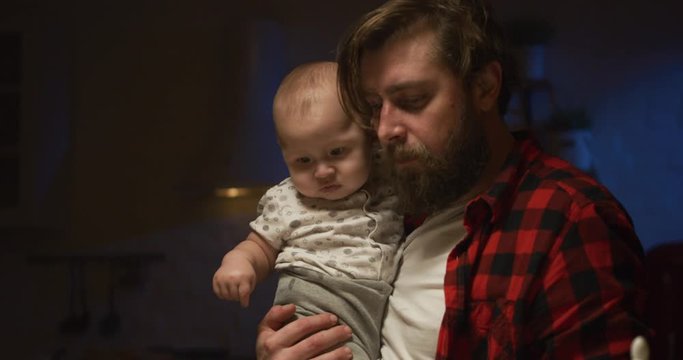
[
  {"x": 623, "y": 63},
  {"x": 136, "y": 110}
]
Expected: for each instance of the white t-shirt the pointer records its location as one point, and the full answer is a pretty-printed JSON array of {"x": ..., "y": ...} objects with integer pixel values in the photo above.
[{"x": 416, "y": 306}]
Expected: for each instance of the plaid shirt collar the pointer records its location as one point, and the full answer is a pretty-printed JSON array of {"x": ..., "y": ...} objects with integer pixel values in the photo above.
[{"x": 494, "y": 203}]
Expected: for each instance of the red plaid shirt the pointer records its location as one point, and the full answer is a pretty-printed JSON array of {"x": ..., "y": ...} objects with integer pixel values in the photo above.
[{"x": 551, "y": 268}]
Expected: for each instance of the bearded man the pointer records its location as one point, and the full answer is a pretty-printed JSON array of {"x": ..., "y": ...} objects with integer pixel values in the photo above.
[{"x": 514, "y": 253}]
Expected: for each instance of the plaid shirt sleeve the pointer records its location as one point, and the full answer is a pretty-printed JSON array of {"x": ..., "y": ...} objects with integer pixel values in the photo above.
[
  {"x": 591, "y": 297},
  {"x": 551, "y": 268}
]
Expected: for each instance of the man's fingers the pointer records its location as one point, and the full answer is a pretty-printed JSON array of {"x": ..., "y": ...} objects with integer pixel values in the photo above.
[
  {"x": 314, "y": 329},
  {"x": 341, "y": 353},
  {"x": 299, "y": 329},
  {"x": 303, "y": 338},
  {"x": 324, "y": 341},
  {"x": 277, "y": 317}
]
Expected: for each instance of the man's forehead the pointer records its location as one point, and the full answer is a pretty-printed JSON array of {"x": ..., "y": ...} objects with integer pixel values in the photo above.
[
  {"x": 401, "y": 86},
  {"x": 400, "y": 63},
  {"x": 399, "y": 75}
]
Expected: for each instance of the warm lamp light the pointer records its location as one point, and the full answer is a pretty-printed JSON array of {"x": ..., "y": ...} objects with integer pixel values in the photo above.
[{"x": 240, "y": 192}]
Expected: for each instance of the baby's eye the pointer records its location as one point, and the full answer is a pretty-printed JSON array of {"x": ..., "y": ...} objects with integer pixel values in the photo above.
[
  {"x": 303, "y": 160},
  {"x": 338, "y": 151}
]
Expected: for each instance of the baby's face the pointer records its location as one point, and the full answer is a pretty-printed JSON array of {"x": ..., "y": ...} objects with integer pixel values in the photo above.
[{"x": 327, "y": 154}]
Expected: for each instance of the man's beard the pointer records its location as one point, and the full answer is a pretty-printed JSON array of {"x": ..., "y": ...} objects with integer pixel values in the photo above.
[{"x": 440, "y": 181}]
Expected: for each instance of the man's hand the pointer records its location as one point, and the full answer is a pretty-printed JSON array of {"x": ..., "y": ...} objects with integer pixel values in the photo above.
[
  {"x": 312, "y": 337},
  {"x": 235, "y": 279}
]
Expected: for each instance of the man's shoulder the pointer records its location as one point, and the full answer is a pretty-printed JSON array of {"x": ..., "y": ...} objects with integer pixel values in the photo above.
[{"x": 562, "y": 181}]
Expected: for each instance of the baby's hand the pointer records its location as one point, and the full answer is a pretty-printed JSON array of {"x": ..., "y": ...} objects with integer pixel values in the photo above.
[{"x": 235, "y": 280}]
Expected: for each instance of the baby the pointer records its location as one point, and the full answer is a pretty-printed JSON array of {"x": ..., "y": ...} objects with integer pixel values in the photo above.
[{"x": 331, "y": 228}]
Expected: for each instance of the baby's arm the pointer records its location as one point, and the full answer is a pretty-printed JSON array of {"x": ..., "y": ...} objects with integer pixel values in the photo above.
[{"x": 249, "y": 262}]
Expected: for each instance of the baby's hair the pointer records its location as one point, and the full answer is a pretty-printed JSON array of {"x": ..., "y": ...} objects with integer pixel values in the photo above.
[{"x": 300, "y": 89}]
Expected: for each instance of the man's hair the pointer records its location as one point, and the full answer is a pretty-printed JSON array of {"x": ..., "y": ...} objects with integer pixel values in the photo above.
[
  {"x": 466, "y": 35},
  {"x": 300, "y": 89}
]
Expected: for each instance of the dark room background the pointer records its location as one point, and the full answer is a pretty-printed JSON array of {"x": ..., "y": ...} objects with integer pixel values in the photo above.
[{"x": 123, "y": 121}]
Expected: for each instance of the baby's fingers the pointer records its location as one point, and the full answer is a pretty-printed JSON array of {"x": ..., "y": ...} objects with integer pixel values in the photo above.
[
  {"x": 244, "y": 292},
  {"x": 221, "y": 290}
]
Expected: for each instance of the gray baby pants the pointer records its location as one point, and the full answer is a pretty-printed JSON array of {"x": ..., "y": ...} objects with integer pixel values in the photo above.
[{"x": 358, "y": 303}]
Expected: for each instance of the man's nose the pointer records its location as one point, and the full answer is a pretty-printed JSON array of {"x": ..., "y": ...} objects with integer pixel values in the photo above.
[
  {"x": 323, "y": 170},
  {"x": 390, "y": 129}
]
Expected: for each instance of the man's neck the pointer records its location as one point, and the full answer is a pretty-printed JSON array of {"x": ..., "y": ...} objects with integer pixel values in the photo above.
[{"x": 500, "y": 142}]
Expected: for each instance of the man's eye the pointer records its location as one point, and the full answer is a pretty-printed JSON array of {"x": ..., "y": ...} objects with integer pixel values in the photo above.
[
  {"x": 339, "y": 151},
  {"x": 375, "y": 107},
  {"x": 374, "y": 122},
  {"x": 413, "y": 103}
]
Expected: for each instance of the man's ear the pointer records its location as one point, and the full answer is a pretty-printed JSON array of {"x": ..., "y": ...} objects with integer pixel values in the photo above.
[{"x": 486, "y": 89}]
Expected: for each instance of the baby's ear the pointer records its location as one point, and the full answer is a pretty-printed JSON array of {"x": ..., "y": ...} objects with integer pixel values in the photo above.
[{"x": 486, "y": 87}]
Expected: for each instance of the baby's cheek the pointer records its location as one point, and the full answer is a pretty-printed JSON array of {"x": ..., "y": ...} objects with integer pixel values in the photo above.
[{"x": 302, "y": 185}]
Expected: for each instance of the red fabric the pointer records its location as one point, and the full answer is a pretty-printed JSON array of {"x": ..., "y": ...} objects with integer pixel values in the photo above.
[{"x": 551, "y": 268}]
